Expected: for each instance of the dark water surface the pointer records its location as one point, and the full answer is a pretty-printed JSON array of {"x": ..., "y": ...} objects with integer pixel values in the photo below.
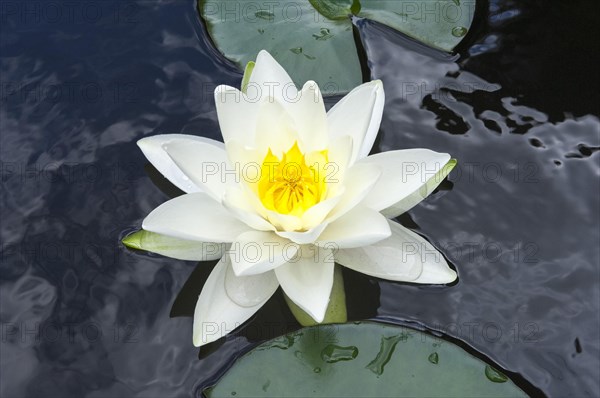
[{"x": 518, "y": 218}]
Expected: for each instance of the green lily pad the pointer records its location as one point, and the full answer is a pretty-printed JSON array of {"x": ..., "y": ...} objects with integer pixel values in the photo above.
[
  {"x": 441, "y": 24},
  {"x": 314, "y": 39},
  {"x": 360, "y": 360}
]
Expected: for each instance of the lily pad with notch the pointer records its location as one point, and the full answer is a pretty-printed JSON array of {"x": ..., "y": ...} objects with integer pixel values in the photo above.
[{"x": 314, "y": 39}]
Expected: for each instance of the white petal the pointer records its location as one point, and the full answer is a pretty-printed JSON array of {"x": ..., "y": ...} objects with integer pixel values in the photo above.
[
  {"x": 436, "y": 273},
  {"x": 417, "y": 196},
  {"x": 268, "y": 78},
  {"x": 152, "y": 147},
  {"x": 303, "y": 238},
  {"x": 340, "y": 154},
  {"x": 395, "y": 258},
  {"x": 216, "y": 313},
  {"x": 319, "y": 212},
  {"x": 237, "y": 114},
  {"x": 310, "y": 117},
  {"x": 274, "y": 128},
  {"x": 255, "y": 252},
  {"x": 404, "y": 172},
  {"x": 435, "y": 267},
  {"x": 361, "y": 226},
  {"x": 250, "y": 290},
  {"x": 208, "y": 167},
  {"x": 404, "y": 256},
  {"x": 359, "y": 115},
  {"x": 194, "y": 216},
  {"x": 283, "y": 222},
  {"x": 237, "y": 202},
  {"x": 247, "y": 159},
  {"x": 180, "y": 249},
  {"x": 308, "y": 281},
  {"x": 358, "y": 182}
]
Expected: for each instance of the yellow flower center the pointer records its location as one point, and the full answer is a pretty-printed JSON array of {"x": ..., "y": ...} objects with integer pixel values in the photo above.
[{"x": 290, "y": 185}]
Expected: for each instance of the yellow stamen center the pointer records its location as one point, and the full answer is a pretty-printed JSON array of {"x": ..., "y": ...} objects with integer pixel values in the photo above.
[{"x": 289, "y": 185}]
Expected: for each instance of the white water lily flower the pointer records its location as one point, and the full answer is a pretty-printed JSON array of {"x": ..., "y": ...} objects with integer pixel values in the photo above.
[{"x": 291, "y": 191}]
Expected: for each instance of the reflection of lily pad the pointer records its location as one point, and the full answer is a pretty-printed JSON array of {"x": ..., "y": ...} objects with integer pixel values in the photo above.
[
  {"x": 314, "y": 40},
  {"x": 360, "y": 360}
]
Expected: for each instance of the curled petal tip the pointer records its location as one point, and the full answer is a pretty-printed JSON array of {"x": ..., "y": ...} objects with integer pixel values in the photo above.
[
  {"x": 319, "y": 315},
  {"x": 221, "y": 87},
  {"x": 142, "y": 143},
  {"x": 264, "y": 55},
  {"x": 197, "y": 341},
  {"x": 376, "y": 84},
  {"x": 311, "y": 84},
  {"x": 319, "y": 319},
  {"x": 452, "y": 276}
]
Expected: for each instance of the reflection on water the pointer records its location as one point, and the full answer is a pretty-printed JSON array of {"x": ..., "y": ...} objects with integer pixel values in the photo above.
[{"x": 82, "y": 316}]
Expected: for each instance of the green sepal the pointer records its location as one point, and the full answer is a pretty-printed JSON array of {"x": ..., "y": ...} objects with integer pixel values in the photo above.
[
  {"x": 134, "y": 241},
  {"x": 180, "y": 249},
  {"x": 247, "y": 73}
]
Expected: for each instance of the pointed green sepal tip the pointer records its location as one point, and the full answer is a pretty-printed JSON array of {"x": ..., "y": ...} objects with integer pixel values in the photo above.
[
  {"x": 134, "y": 240},
  {"x": 247, "y": 73},
  {"x": 450, "y": 165},
  {"x": 169, "y": 246},
  {"x": 434, "y": 181},
  {"x": 336, "y": 310}
]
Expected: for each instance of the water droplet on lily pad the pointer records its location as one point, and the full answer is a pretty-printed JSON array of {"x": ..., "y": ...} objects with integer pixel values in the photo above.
[
  {"x": 300, "y": 51},
  {"x": 265, "y": 386},
  {"x": 324, "y": 34},
  {"x": 266, "y": 15},
  {"x": 334, "y": 353},
  {"x": 434, "y": 358},
  {"x": 388, "y": 345},
  {"x": 459, "y": 31},
  {"x": 283, "y": 342},
  {"x": 495, "y": 375}
]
